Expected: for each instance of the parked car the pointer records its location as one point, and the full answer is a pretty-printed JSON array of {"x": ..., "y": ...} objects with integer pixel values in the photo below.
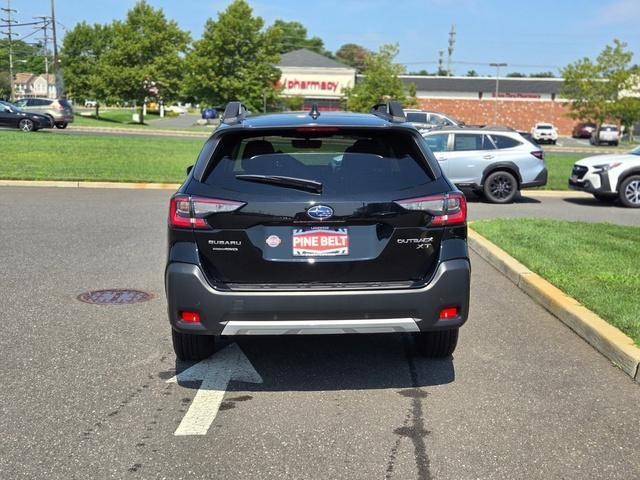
[
  {"x": 179, "y": 109},
  {"x": 12, "y": 117},
  {"x": 544, "y": 133},
  {"x": 90, "y": 103},
  {"x": 527, "y": 136},
  {"x": 609, "y": 134},
  {"x": 493, "y": 162},
  {"x": 60, "y": 110},
  {"x": 424, "y": 120},
  {"x": 266, "y": 236},
  {"x": 609, "y": 177},
  {"x": 583, "y": 130}
]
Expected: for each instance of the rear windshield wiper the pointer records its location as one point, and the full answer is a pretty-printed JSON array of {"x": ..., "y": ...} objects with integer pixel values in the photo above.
[{"x": 289, "y": 182}]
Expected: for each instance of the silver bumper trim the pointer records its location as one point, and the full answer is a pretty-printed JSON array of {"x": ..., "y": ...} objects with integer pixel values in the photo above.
[{"x": 322, "y": 327}]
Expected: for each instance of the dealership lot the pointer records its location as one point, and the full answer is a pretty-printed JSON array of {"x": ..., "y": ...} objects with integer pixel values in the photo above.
[{"x": 85, "y": 391}]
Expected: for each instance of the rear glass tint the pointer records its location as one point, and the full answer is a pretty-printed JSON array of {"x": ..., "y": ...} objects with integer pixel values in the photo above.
[
  {"x": 437, "y": 142},
  {"x": 502, "y": 141},
  {"x": 416, "y": 117},
  {"x": 344, "y": 162},
  {"x": 471, "y": 141}
]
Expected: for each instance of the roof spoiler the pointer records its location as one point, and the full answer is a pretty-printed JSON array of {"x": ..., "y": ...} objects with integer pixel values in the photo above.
[
  {"x": 391, "y": 111},
  {"x": 234, "y": 112}
]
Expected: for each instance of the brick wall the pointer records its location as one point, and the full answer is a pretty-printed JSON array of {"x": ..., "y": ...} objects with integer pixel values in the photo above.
[{"x": 518, "y": 114}]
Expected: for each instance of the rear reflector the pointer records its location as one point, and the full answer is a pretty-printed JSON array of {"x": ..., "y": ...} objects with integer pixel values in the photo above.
[
  {"x": 190, "y": 212},
  {"x": 190, "y": 317},
  {"x": 448, "y": 209},
  {"x": 448, "y": 312}
]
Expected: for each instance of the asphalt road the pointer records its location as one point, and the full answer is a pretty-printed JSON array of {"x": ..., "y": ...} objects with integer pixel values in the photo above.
[{"x": 84, "y": 392}]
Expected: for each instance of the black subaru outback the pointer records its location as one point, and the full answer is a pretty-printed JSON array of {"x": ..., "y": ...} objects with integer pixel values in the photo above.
[{"x": 318, "y": 223}]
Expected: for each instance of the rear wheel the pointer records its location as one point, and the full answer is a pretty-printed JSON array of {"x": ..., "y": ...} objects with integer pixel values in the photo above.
[
  {"x": 192, "y": 347},
  {"x": 500, "y": 187},
  {"x": 26, "y": 125},
  {"x": 61, "y": 125},
  {"x": 630, "y": 191},
  {"x": 437, "y": 344}
]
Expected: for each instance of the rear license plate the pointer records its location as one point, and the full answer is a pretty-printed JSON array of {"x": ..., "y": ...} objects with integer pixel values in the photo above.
[{"x": 320, "y": 242}]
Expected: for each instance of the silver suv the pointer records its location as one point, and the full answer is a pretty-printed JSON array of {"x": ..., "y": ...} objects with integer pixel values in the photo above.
[
  {"x": 424, "y": 120},
  {"x": 60, "y": 111},
  {"x": 493, "y": 162}
]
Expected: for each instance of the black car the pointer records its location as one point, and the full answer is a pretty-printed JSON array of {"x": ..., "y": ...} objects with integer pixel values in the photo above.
[
  {"x": 12, "y": 117},
  {"x": 316, "y": 223}
]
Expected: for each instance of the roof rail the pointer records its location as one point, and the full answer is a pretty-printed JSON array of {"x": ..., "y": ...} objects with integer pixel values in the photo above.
[
  {"x": 391, "y": 111},
  {"x": 234, "y": 112}
]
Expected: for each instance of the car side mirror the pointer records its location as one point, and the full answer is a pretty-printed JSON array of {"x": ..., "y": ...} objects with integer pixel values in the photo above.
[
  {"x": 7, "y": 109},
  {"x": 189, "y": 168}
]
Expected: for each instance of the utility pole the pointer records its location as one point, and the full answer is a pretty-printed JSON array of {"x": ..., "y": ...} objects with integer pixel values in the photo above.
[
  {"x": 45, "y": 46},
  {"x": 440, "y": 58},
  {"x": 9, "y": 33},
  {"x": 56, "y": 60},
  {"x": 452, "y": 43},
  {"x": 495, "y": 109}
]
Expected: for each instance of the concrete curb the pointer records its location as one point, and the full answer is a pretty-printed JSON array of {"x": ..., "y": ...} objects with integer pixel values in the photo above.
[
  {"x": 67, "y": 184},
  {"x": 555, "y": 193},
  {"x": 140, "y": 132},
  {"x": 605, "y": 338}
]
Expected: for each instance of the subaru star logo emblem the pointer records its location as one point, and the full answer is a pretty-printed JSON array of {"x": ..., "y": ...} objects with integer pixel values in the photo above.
[{"x": 320, "y": 212}]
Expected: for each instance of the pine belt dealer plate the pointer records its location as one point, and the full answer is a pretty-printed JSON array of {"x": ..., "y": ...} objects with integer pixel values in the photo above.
[{"x": 320, "y": 242}]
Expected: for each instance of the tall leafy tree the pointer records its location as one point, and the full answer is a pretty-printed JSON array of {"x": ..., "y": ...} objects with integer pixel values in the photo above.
[
  {"x": 145, "y": 57},
  {"x": 82, "y": 62},
  {"x": 234, "y": 60},
  {"x": 353, "y": 55},
  {"x": 596, "y": 86},
  {"x": 380, "y": 81},
  {"x": 27, "y": 57},
  {"x": 294, "y": 35}
]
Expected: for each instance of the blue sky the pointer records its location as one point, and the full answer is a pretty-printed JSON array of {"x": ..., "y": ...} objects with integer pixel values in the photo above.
[{"x": 542, "y": 33}]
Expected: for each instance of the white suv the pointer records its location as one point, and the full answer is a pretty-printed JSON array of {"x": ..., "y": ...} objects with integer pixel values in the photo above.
[
  {"x": 544, "y": 133},
  {"x": 608, "y": 177},
  {"x": 493, "y": 162},
  {"x": 605, "y": 134}
]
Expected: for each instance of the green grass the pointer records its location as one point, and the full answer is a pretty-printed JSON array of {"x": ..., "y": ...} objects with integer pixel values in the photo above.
[
  {"x": 108, "y": 118},
  {"x": 559, "y": 166},
  {"x": 595, "y": 263},
  {"x": 48, "y": 156}
]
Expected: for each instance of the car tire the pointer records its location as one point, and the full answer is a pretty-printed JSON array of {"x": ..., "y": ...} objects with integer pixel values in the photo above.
[
  {"x": 500, "y": 187},
  {"x": 61, "y": 125},
  {"x": 26, "y": 125},
  {"x": 438, "y": 344},
  {"x": 191, "y": 347},
  {"x": 553, "y": 142},
  {"x": 629, "y": 192},
  {"x": 615, "y": 144}
]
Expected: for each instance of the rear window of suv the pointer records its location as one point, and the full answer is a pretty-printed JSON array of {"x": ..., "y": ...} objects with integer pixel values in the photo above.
[
  {"x": 503, "y": 141},
  {"x": 348, "y": 162}
]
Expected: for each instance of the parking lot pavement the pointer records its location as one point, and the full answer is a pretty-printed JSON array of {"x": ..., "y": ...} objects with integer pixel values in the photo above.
[
  {"x": 85, "y": 394},
  {"x": 575, "y": 207}
]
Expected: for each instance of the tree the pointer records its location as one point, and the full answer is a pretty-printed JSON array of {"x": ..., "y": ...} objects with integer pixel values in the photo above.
[
  {"x": 627, "y": 111},
  {"x": 353, "y": 55},
  {"x": 26, "y": 57},
  {"x": 146, "y": 56},
  {"x": 380, "y": 81},
  {"x": 293, "y": 36},
  {"x": 5, "y": 85},
  {"x": 515, "y": 75},
  {"x": 595, "y": 87},
  {"x": 234, "y": 60},
  {"x": 82, "y": 62},
  {"x": 542, "y": 75},
  {"x": 472, "y": 73}
]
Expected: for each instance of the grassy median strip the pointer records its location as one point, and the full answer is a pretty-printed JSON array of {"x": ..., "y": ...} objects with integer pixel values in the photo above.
[
  {"x": 595, "y": 263},
  {"x": 49, "y": 156},
  {"x": 559, "y": 166}
]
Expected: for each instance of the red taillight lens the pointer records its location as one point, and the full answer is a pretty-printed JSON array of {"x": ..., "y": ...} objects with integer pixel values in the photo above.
[
  {"x": 448, "y": 209},
  {"x": 187, "y": 212},
  {"x": 190, "y": 317},
  {"x": 448, "y": 313},
  {"x": 538, "y": 154}
]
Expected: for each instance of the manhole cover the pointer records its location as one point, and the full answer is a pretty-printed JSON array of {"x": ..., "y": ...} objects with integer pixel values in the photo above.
[{"x": 118, "y": 296}]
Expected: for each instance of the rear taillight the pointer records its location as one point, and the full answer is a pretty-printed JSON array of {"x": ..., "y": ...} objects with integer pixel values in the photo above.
[
  {"x": 538, "y": 154},
  {"x": 188, "y": 212},
  {"x": 448, "y": 209}
]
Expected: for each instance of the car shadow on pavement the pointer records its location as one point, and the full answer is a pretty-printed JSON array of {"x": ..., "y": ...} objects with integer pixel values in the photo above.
[
  {"x": 336, "y": 362},
  {"x": 591, "y": 202}
]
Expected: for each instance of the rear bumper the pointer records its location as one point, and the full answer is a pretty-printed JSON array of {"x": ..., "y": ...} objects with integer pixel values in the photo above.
[
  {"x": 539, "y": 181},
  {"x": 225, "y": 312}
]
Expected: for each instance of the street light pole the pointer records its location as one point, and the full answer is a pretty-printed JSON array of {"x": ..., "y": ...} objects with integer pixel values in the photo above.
[
  {"x": 10, "y": 35},
  {"x": 495, "y": 107}
]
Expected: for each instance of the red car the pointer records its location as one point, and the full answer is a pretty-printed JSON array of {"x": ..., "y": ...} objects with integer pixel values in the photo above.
[{"x": 583, "y": 130}]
